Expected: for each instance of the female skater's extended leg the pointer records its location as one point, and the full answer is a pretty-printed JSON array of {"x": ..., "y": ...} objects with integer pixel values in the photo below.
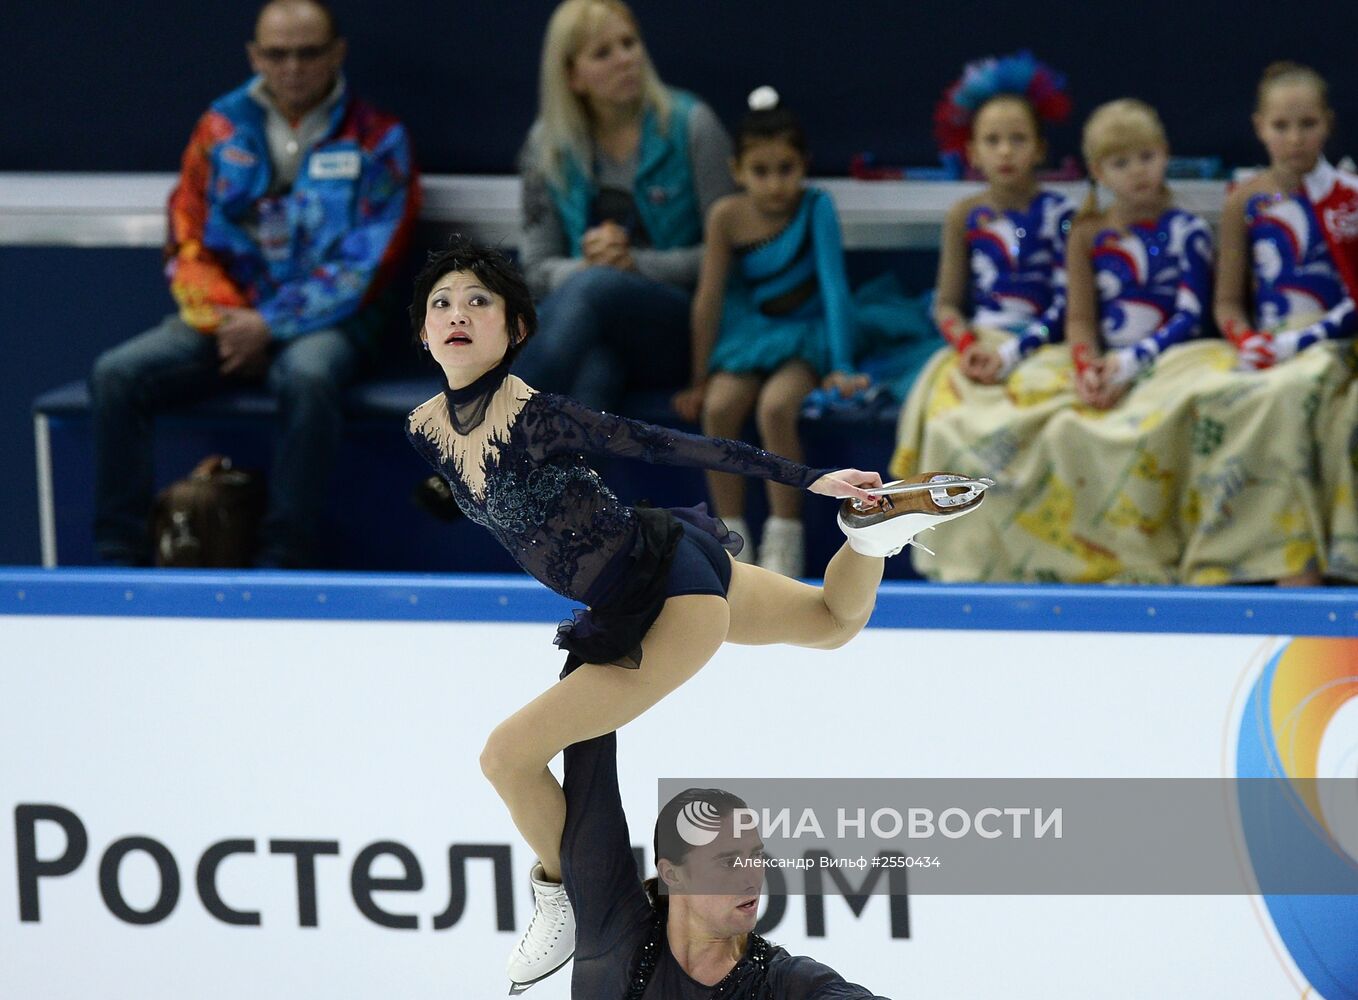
[{"x": 768, "y": 607}]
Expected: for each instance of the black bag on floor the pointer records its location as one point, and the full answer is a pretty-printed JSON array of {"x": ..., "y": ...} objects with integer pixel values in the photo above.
[{"x": 209, "y": 519}]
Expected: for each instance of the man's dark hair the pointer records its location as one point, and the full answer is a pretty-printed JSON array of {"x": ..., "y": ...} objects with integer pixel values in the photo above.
[
  {"x": 671, "y": 845},
  {"x": 494, "y": 270}
]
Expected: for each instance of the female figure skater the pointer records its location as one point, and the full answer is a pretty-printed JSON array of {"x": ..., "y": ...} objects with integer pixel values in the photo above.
[
  {"x": 635, "y": 941},
  {"x": 772, "y": 317},
  {"x": 981, "y": 402},
  {"x": 658, "y": 584},
  {"x": 1285, "y": 297}
]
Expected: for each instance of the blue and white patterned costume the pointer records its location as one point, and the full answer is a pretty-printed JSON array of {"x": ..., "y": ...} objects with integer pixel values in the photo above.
[
  {"x": 1154, "y": 280},
  {"x": 1017, "y": 263},
  {"x": 1297, "y": 289}
]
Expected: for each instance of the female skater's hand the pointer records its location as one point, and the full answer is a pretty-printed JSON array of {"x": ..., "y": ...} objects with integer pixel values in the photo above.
[{"x": 847, "y": 484}]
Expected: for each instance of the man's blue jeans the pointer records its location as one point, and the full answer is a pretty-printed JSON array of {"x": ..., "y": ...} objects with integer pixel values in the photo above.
[
  {"x": 606, "y": 331},
  {"x": 174, "y": 363}
]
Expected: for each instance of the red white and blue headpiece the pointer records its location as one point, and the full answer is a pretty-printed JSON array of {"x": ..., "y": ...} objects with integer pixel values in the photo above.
[{"x": 1019, "y": 74}]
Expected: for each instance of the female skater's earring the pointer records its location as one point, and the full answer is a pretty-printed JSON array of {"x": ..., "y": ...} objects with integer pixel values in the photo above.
[{"x": 424, "y": 344}]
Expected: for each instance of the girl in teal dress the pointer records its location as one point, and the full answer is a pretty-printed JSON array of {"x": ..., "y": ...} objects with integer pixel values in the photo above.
[{"x": 772, "y": 317}]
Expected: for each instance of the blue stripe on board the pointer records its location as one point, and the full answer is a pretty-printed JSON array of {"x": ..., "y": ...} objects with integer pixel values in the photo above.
[{"x": 409, "y": 597}]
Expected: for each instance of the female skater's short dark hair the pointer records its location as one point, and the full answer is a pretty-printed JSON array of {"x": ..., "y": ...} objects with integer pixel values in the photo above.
[
  {"x": 670, "y": 845},
  {"x": 494, "y": 270}
]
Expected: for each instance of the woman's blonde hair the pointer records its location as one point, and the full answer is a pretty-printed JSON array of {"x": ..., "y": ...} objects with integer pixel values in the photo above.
[
  {"x": 1117, "y": 127},
  {"x": 1284, "y": 72},
  {"x": 563, "y": 125}
]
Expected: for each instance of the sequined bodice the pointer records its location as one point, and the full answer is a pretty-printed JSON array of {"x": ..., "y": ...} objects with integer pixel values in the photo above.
[
  {"x": 525, "y": 476},
  {"x": 1294, "y": 275},
  {"x": 1015, "y": 257}
]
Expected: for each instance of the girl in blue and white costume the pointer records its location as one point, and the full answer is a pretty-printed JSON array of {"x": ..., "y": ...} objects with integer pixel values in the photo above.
[
  {"x": 1279, "y": 503},
  {"x": 1150, "y": 263},
  {"x": 1139, "y": 280},
  {"x": 1009, "y": 239},
  {"x": 772, "y": 317},
  {"x": 999, "y": 303}
]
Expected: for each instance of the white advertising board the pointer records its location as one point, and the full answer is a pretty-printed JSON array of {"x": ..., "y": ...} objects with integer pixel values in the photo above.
[{"x": 294, "y": 745}]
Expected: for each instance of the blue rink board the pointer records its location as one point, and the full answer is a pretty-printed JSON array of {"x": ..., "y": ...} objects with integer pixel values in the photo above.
[{"x": 409, "y": 597}]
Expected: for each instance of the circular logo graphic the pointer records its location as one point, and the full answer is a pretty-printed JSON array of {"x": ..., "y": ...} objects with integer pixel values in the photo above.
[{"x": 698, "y": 823}]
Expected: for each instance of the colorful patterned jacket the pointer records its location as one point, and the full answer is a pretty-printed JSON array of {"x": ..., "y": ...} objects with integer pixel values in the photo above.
[{"x": 306, "y": 258}]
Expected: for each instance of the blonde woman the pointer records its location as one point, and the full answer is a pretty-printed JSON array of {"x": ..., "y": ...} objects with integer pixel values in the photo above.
[{"x": 618, "y": 173}]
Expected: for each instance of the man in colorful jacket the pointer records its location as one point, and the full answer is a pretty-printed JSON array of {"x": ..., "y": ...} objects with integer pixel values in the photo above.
[{"x": 294, "y": 206}]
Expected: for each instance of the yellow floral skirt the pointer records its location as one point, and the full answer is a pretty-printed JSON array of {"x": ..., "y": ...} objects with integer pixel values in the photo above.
[
  {"x": 952, "y": 424},
  {"x": 1201, "y": 474},
  {"x": 1271, "y": 484}
]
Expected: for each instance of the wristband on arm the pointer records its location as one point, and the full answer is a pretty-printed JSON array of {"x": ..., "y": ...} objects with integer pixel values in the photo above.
[
  {"x": 957, "y": 333},
  {"x": 1083, "y": 356},
  {"x": 1236, "y": 332}
]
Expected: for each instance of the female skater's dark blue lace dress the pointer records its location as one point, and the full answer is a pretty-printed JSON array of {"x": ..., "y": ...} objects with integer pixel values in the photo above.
[
  {"x": 516, "y": 462},
  {"x": 621, "y": 951}
]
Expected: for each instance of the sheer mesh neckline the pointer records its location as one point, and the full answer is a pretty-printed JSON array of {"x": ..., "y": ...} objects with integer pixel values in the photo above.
[{"x": 467, "y": 406}]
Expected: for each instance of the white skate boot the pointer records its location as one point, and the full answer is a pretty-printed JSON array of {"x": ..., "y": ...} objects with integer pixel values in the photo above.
[
  {"x": 908, "y": 506},
  {"x": 549, "y": 941}
]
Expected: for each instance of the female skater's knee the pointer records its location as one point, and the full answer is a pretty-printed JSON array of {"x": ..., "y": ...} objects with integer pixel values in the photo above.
[
  {"x": 839, "y": 631},
  {"x": 502, "y": 758}
]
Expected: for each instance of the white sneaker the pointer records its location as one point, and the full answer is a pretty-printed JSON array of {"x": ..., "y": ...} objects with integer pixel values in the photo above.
[
  {"x": 738, "y": 525},
  {"x": 549, "y": 941},
  {"x": 909, "y": 506},
  {"x": 783, "y": 547}
]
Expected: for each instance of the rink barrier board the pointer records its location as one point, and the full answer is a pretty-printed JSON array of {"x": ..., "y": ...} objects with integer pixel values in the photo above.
[{"x": 496, "y": 598}]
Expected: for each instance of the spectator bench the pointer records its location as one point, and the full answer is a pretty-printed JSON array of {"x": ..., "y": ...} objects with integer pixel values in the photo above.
[{"x": 373, "y": 523}]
